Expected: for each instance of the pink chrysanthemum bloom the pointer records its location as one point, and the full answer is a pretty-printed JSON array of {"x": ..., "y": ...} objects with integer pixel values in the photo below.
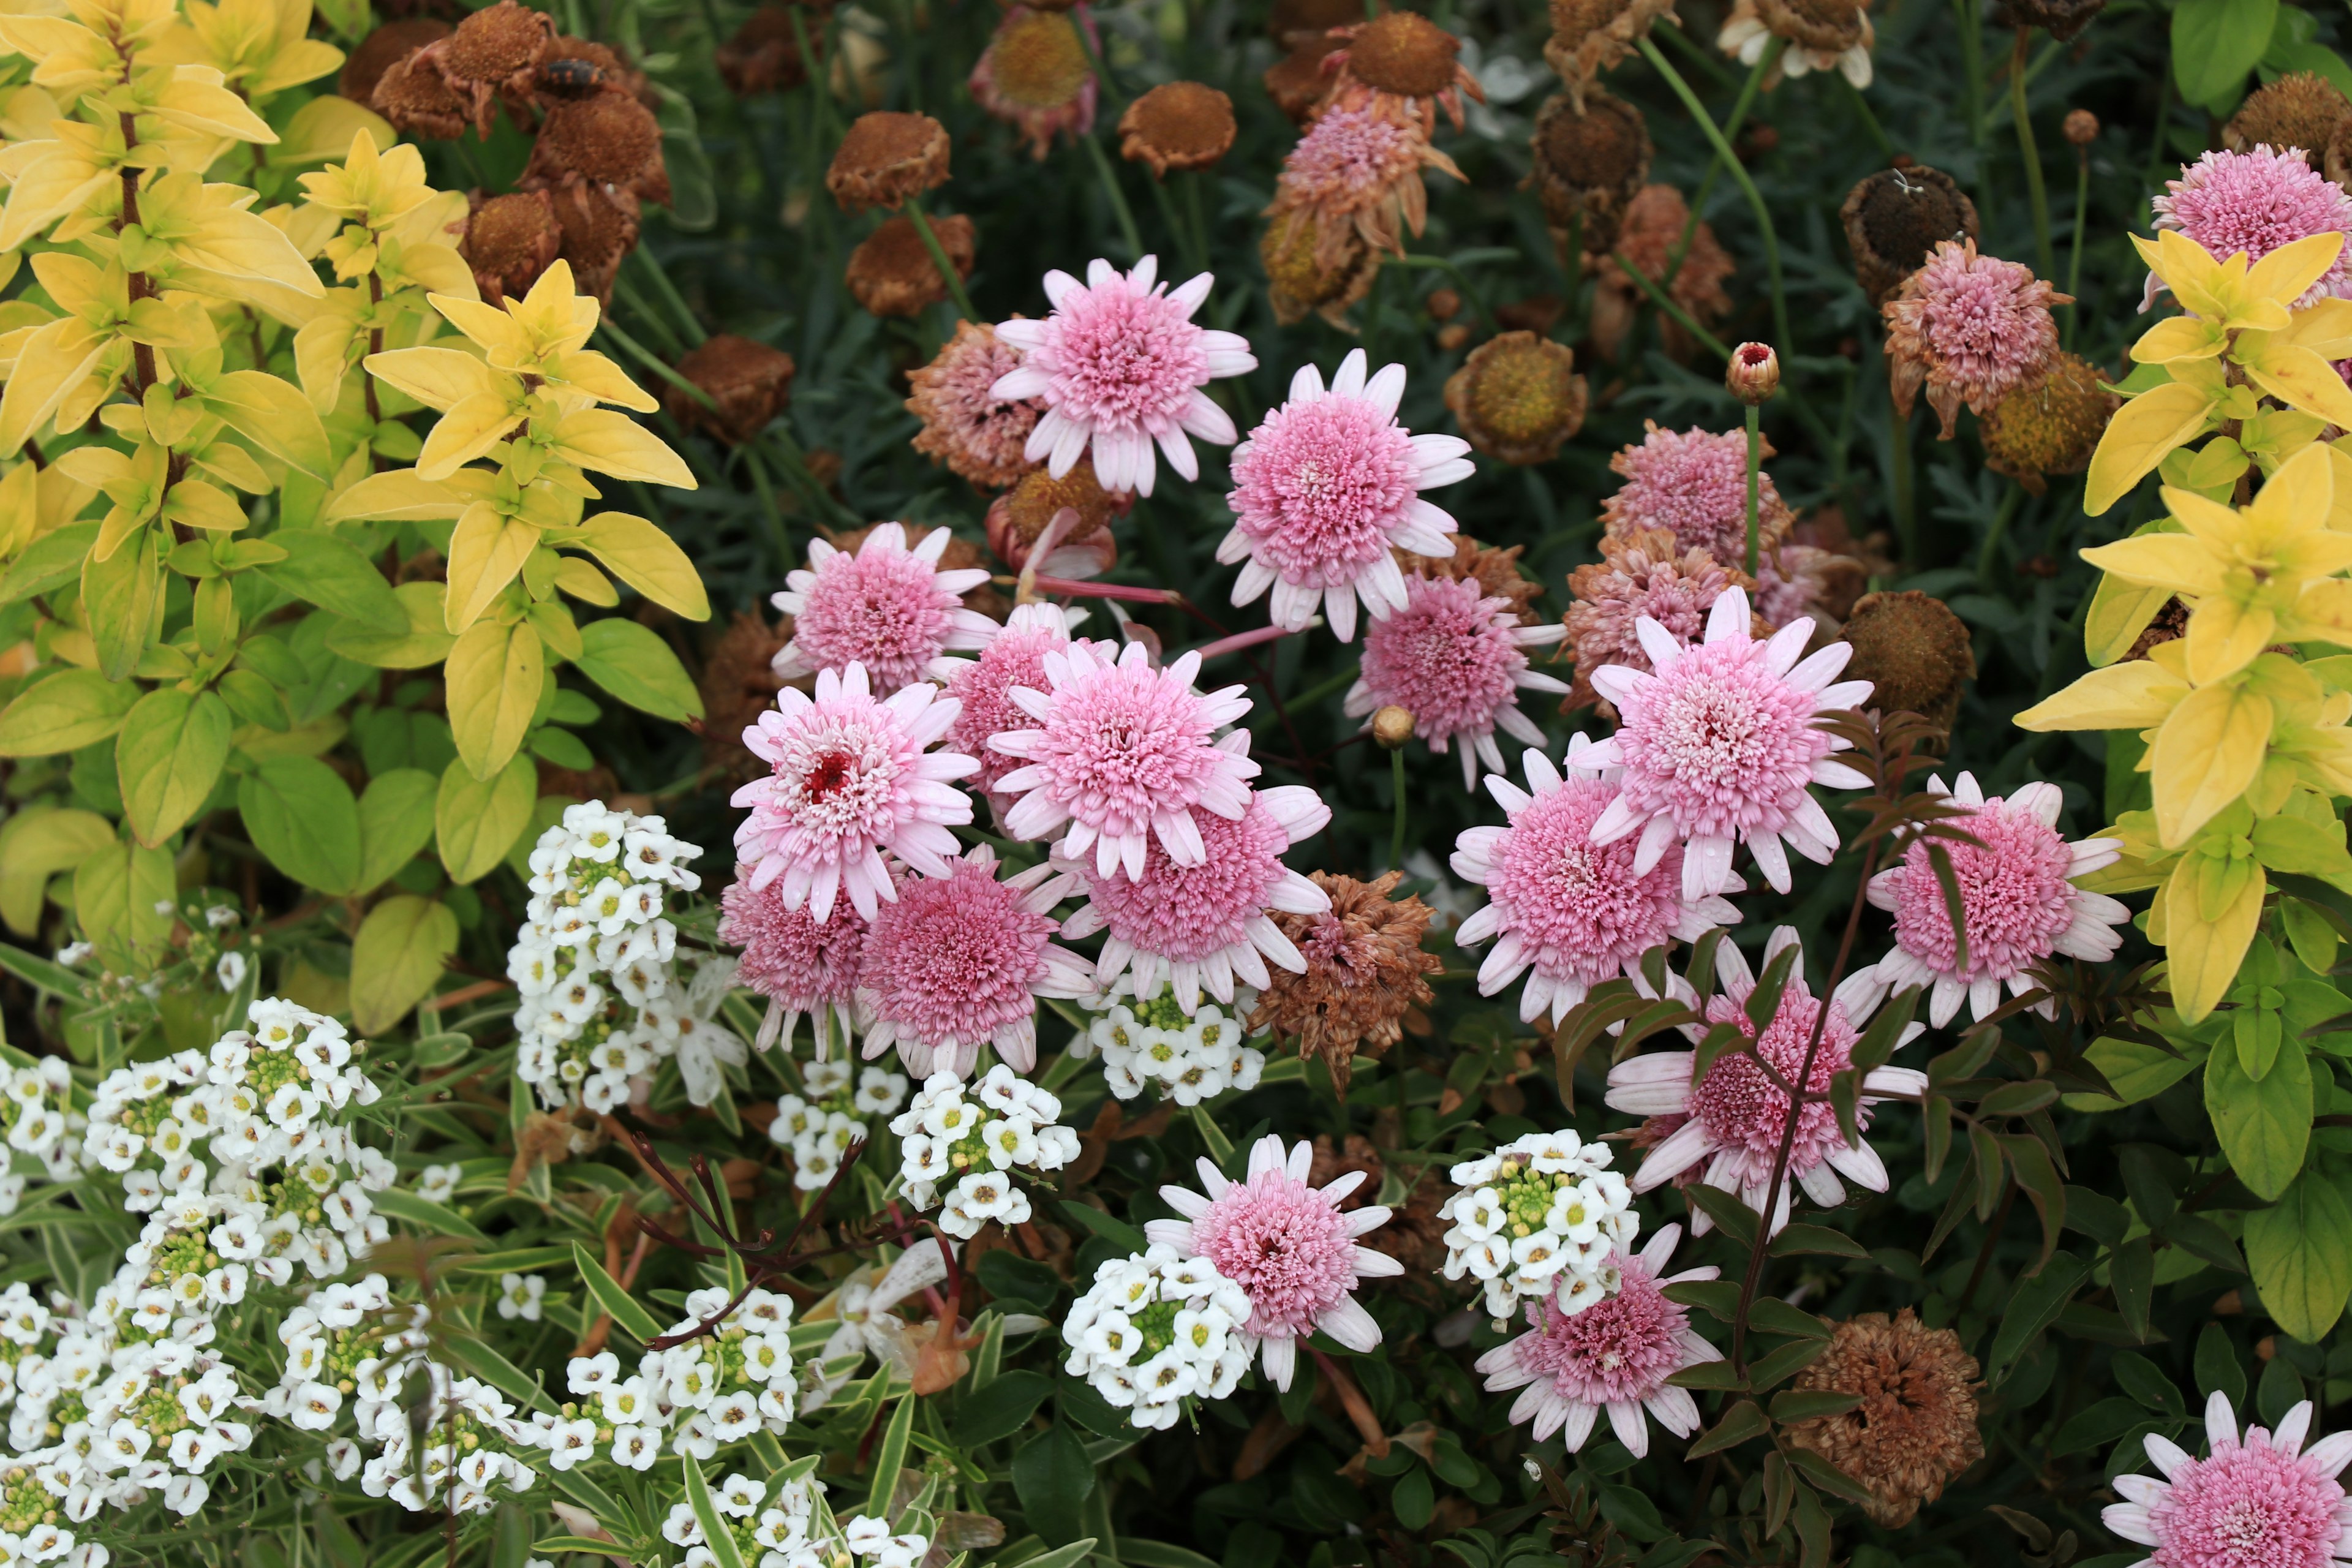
[
  {"x": 1014, "y": 657},
  {"x": 1035, "y": 76},
  {"x": 1569, "y": 913},
  {"x": 1357, "y": 174},
  {"x": 1736, "y": 1116},
  {"x": 1717, "y": 745},
  {"x": 885, "y": 607},
  {"x": 1694, "y": 484},
  {"x": 1325, "y": 486},
  {"x": 958, "y": 962},
  {"x": 800, "y": 966},
  {"x": 2256, "y": 201},
  {"x": 1455, "y": 657},
  {"x": 2017, "y": 900},
  {"x": 1614, "y": 1355},
  {"x": 1645, "y": 571},
  {"x": 1123, "y": 754},
  {"x": 1287, "y": 1244},
  {"x": 850, "y": 777},
  {"x": 2259, "y": 1502},
  {"x": 1970, "y": 329},
  {"x": 1120, "y": 364},
  {"x": 1203, "y": 924}
]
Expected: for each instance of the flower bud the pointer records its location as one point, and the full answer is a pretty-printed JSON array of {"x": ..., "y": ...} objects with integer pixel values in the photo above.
[
  {"x": 1393, "y": 727},
  {"x": 1754, "y": 374},
  {"x": 2082, "y": 127}
]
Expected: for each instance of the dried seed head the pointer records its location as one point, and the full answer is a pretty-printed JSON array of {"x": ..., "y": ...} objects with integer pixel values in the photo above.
[
  {"x": 748, "y": 384},
  {"x": 1365, "y": 970},
  {"x": 1914, "y": 650},
  {"x": 1824, "y": 27},
  {"x": 599, "y": 231},
  {"x": 1177, "y": 125},
  {"x": 1916, "y": 1425},
  {"x": 414, "y": 96},
  {"x": 2048, "y": 426},
  {"x": 608, "y": 139},
  {"x": 1496, "y": 573},
  {"x": 2082, "y": 127},
  {"x": 1403, "y": 53},
  {"x": 497, "y": 45},
  {"x": 965, "y": 426},
  {"x": 1517, "y": 397},
  {"x": 1037, "y": 498},
  {"x": 765, "y": 55},
  {"x": 1590, "y": 163},
  {"x": 1299, "y": 282},
  {"x": 887, "y": 158},
  {"x": 379, "y": 50},
  {"x": 1443, "y": 304},
  {"x": 1297, "y": 81},
  {"x": 2300, "y": 109},
  {"x": 509, "y": 241},
  {"x": 892, "y": 272},
  {"x": 739, "y": 683},
  {"x": 1895, "y": 219},
  {"x": 1036, "y": 75},
  {"x": 1588, "y": 36}
]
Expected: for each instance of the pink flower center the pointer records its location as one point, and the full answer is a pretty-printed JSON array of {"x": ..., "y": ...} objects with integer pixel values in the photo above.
[
  {"x": 2249, "y": 1506},
  {"x": 1124, "y": 359},
  {"x": 1186, "y": 913},
  {"x": 1447, "y": 657},
  {"x": 787, "y": 956},
  {"x": 1349, "y": 159},
  {"x": 1577, "y": 905},
  {"x": 841, "y": 775},
  {"x": 1124, "y": 743},
  {"x": 883, "y": 608},
  {"x": 1743, "y": 1110},
  {"x": 1285, "y": 1245},
  {"x": 1320, "y": 485},
  {"x": 1720, "y": 742},
  {"x": 1622, "y": 1348},
  {"x": 954, "y": 958},
  {"x": 1014, "y": 658},
  {"x": 2014, "y": 896}
]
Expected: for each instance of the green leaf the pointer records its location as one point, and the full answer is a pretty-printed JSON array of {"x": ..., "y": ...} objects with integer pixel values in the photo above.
[
  {"x": 2034, "y": 1304},
  {"x": 2136, "y": 1071},
  {"x": 1771, "y": 1315},
  {"x": 1001, "y": 1409},
  {"x": 717, "y": 1538},
  {"x": 395, "y": 822},
  {"x": 634, "y": 664},
  {"x": 122, "y": 597},
  {"x": 890, "y": 1457},
  {"x": 477, "y": 820},
  {"x": 1827, "y": 1476},
  {"x": 1797, "y": 1238},
  {"x": 627, "y": 1314},
  {"x": 1117, "y": 1232},
  {"x": 422, "y": 643},
  {"x": 2264, "y": 1125},
  {"x": 1052, "y": 1476},
  {"x": 65, "y": 712},
  {"x": 2300, "y": 1250},
  {"x": 169, "y": 756},
  {"x": 37, "y": 844},
  {"x": 116, "y": 895},
  {"x": 1063, "y": 1556},
  {"x": 48, "y": 564},
  {"x": 2216, "y": 42},
  {"x": 328, "y": 570},
  {"x": 1741, "y": 1421},
  {"x": 299, "y": 813},
  {"x": 2216, "y": 1365},
  {"x": 397, "y": 958}
]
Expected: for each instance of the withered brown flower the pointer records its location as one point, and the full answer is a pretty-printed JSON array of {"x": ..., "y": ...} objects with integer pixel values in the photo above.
[
  {"x": 1588, "y": 36},
  {"x": 738, "y": 685},
  {"x": 765, "y": 55},
  {"x": 886, "y": 158},
  {"x": 2062, "y": 19},
  {"x": 1916, "y": 1425},
  {"x": 599, "y": 231},
  {"x": 1917, "y": 654},
  {"x": 1517, "y": 397},
  {"x": 1036, "y": 75},
  {"x": 892, "y": 272},
  {"x": 509, "y": 241},
  {"x": 417, "y": 102},
  {"x": 1496, "y": 573},
  {"x": 748, "y": 383},
  {"x": 1019, "y": 518},
  {"x": 1403, "y": 59},
  {"x": 1591, "y": 162},
  {"x": 378, "y": 52},
  {"x": 1365, "y": 969},
  {"x": 576, "y": 67},
  {"x": 2300, "y": 109},
  {"x": 1177, "y": 125},
  {"x": 1299, "y": 281},
  {"x": 1652, "y": 228},
  {"x": 965, "y": 426},
  {"x": 1894, "y": 219},
  {"x": 1297, "y": 81},
  {"x": 1822, "y": 35},
  {"x": 2049, "y": 426},
  {"x": 1287, "y": 19},
  {"x": 608, "y": 142},
  {"x": 1642, "y": 573},
  {"x": 492, "y": 55}
]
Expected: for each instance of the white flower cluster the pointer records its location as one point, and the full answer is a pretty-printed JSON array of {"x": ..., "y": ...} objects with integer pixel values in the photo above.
[
  {"x": 38, "y": 1121},
  {"x": 1543, "y": 1214},
  {"x": 784, "y": 1522},
  {"x": 1153, "y": 1042},
  {"x": 975, "y": 1143},
  {"x": 600, "y": 1006},
  {"x": 718, "y": 1388},
  {"x": 1155, "y": 1330},
  {"x": 820, "y": 1129}
]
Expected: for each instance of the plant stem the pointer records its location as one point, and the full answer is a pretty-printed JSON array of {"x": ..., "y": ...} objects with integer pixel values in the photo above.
[
  {"x": 819, "y": 71},
  {"x": 2034, "y": 192},
  {"x": 939, "y": 260},
  {"x": 1898, "y": 481},
  {"x": 1315, "y": 694},
  {"x": 779, "y": 536},
  {"x": 1755, "y": 467},
  {"x": 1869, "y": 117},
  {"x": 2074, "y": 261},
  {"x": 1659, "y": 298},
  {"x": 1731, "y": 127},
  {"x": 1396, "y": 836},
  {"x": 1118, "y": 206}
]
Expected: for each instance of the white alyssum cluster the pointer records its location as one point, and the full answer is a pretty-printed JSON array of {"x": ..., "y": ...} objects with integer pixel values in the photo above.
[
  {"x": 971, "y": 1144},
  {"x": 39, "y": 1120},
  {"x": 784, "y": 1522},
  {"x": 720, "y": 1387},
  {"x": 819, "y": 1129},
  {"x": 1542, "y": 1216},
  {"x": 1152, "y": 1041},
  {"x": 1155, "y": 1330},
  {"x": 593, "y": 964}
]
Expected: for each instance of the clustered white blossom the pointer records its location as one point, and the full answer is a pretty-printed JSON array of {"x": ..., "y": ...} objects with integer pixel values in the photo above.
[
  {"x": 1155, "y": 1330},
  {"x": 1152, "y": 1041},
  {"x": 475, "y": 1444},
  {"x": 784, "y": 1522},
  {"x": 600, "y": 1004},
  {"x": 1542, "y": 1216},
  {"x": 719, "y": 1387},
  {"x": 975, "y": 1143},
  {"x": 37, "y": 1116},
  {"x": 819, "y": 1130}
]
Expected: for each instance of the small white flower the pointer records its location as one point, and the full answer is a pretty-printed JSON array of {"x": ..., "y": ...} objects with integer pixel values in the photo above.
[{"x": 519, "y": 1296}]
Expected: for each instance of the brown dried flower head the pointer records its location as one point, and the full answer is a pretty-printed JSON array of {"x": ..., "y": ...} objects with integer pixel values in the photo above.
[
  {"x": 1297, "y": 82},
  {"x": 1654, "y": 224},
  {"x": 1035, "y": 76},
  {"x": 1177, "y": 125},
  {"x": 1019, "y": 518},
  {"x": 2049, "y": 425},
  {"x": 1822, "y": 35},
  {"x": 1299, "y": 281},
  {"x": 576, "y": 67},
  {"x": 493, "y": 54},
  {"x": 976, "y": 434},
  {"x": 1496, "y": 573},
  {"x": 509, "y": 241},
  {"x": 1361, "y": 162},
  {"x": 2062, "y": 19},
  {"x": 892, "y": 272},
  {"x": 1894, "y": 219},
  {"x": 2082, "y": 127},
  {"x": 1517, "y": 397},
  {"x": 599, "y": 231},
  {"x": 1590, "y": 163},
  {"x": 748, "y": 383},
  {"x": 1588, "y": 36},
  {"x": 1402, "y": 58},
  {"x": 1642, "y": 573},
  {"x": 380, "y": 50},
  {"x": 1365, "y": 969},
  {"x": 765, "y": 55},
  {"x": 1917, "y": 654},
  {"x": 887, "y": 158},
  {"x": 413, "y": 96},
  {"x": 738, "y": 684},
  {"x": 1916, "y": 1427},
  {"x": 609, "y": 141},
  {"x": 2300, "y": 109}
]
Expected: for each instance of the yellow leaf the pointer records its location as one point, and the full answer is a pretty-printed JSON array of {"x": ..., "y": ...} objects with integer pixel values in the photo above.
[
  {"x": 2325, "y": 327},
  {"x": 2301, "y": 379},
  {"x": 2140, "y": 436},
  {"x": 2205, "y": 755},
  {"x": 646, "y": 559},
  {"x": 196, "y": 101},
  {"x": 609, "y": 443},
  {"x": 399, "y": 495},
  {"x": 2285, "y": 273},
  {"x": 397, "y": 958},
  {"x": 37, "y": 844},
  {"x": 437, "y": 378},
  {"x": 471, "y": 427},
  {"x": 423, "y": 645},
  {"x": 2178, "y": 561},
  {"x": 55, "y": 359},
  {"x": 494, "y": 676},
  {"x": 478, "y": 820},
  {"x": 2224, "y": 636},
  {"x": 2130, "y": 696},
  {"x": 2202, "y": 956},
  {"x": 599, "y": 377},
  {"x": 198, "y": 503},
  {"x": 585, "y": 583},
  {"x": 485, "y": 550},
  {"x": 2120, "y": 612},
  {"x": 2179, "y": 338}
]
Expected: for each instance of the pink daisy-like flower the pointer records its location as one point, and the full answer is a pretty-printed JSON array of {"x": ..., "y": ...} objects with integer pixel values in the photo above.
[
  {"x": 1970, "y": 329},
  {"x": 850, "y": 778},
  {"x": 1569, "y": 913},
  {"x": 1123, "y": 754},
  {"x": 1014, "y": 657},
  {"x": 885, "y": 607},
  {"x": 1120, "y": 364},
  {"x": 797, "y": 964},
  {"x": 1325, "y": 486},
  {"x": 1287, "y": 1244},
  {"x": 1614, "y": 1355},
  {"x": 959, "y": 962},
  {"x": 1736, "y": 1116},
  {"x": 1455, "y": 659},
  {"x": 1204, "y": 924},
  {"x": 1717, "y": 745},
  {"x": 2258, "y": 1501},
  {"x": 2017, "y": 900},
  {"x": 2256, "y": 201},
  {"x": 1694, "y": 483}
]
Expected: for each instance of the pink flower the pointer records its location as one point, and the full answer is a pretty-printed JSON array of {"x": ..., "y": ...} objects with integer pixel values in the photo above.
[
  {"x": 2017, "y": 900},
  {"x": 1569, "y": 913},
  {"x": 1120, "y": 365},
  {"x": 1737, "y": 1115},
  {"x": 1014, "y": 657},
  {"x": 1717, "y": 745},
  {"x": 1324, "y": 488},
  {"x": 960, "y": 961},
  {"x": 2257, "y": 1502},
  {"x": 1971, "y": 328},
  {"x": 850, "y": 779},
  {"x": 1123, "y": 754},
  {"x": 1694, "y": 483},
  {"x": 886, "y": 608},
  {"x": 1287, "y": 1246},
  {"x": 1204, "y": 924},
  {"x": 1613, "y": 1355},
  {"x": 1455, "y": 659},
  {"x": 2256, "y": 201},
  {"x": 797, "y": 964}
]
